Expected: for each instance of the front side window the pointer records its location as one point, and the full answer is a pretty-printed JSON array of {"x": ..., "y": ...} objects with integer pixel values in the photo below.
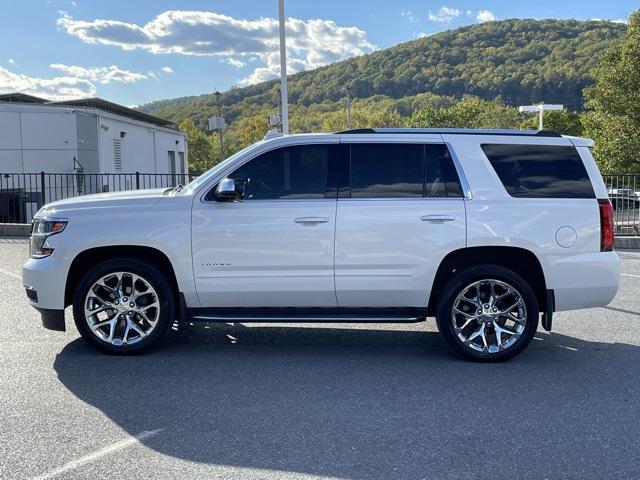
[
  {"x": 286, "y": 173},
  {"x": 540, "y": 171}
]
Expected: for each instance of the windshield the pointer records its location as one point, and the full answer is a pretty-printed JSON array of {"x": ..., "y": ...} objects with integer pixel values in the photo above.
[{"x": 194, "y": 185}]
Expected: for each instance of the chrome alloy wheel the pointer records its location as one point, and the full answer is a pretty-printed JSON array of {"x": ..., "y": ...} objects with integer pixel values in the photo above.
[
  {"x": 122, "y": 308},
  {"x": 489, "y": 316}
]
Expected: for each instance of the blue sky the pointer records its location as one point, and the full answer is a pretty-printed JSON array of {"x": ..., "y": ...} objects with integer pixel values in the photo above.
[{"x": 136, "y": 51}]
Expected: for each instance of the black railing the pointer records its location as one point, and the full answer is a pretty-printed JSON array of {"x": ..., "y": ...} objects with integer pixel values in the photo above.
[
  {"x": 22, "y": 194},
  {"x": 624, "y": 193}
]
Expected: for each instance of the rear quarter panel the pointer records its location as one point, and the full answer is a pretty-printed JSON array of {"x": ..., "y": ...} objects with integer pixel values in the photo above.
[{"x": 580, "y": 274}]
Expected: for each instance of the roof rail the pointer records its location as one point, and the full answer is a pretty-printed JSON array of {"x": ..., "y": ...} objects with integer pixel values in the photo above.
[{"x": 454, "y": 131}]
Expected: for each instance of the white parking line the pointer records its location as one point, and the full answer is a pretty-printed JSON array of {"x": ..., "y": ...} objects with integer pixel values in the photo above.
[
  {"x": 97, "y": 454},
  {"x": 11, "y": 274},
  {"x": 629, "y": 275}
]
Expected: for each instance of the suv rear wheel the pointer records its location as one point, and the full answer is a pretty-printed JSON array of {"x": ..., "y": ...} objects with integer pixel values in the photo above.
[
  {"x": 123, "y": 305},
  {"x": 487, "y": 313}
]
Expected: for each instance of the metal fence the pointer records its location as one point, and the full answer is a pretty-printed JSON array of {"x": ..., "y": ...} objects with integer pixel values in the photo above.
[
  {"x": 22, "y": 194},
  {"x": 624, "y": 193}
]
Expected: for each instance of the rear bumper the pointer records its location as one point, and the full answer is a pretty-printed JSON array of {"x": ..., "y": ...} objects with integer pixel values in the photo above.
[{"x": 584, "y": 280}]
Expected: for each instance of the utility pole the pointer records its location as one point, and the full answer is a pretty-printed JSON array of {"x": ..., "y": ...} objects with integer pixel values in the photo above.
[
  {"x": 349, "y": 119},
  {"x": 283, "y": 70},
  {"x": 540, "y": 109}
]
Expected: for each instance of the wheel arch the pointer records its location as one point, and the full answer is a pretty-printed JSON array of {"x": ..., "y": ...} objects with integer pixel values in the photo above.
[
  {"x": 98, "y": 254},
  {"x": 522, "y": 261}
]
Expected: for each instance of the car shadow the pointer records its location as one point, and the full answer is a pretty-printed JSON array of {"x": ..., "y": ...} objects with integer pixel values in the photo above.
[{"x": 370, "y": 403}]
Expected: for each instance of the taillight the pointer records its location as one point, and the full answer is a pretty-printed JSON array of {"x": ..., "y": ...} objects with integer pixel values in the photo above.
[{"x": 606, "y": 225}]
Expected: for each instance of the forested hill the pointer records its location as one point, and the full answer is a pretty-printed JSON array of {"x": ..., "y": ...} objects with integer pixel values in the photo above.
[{"x": 516, "y": 61}]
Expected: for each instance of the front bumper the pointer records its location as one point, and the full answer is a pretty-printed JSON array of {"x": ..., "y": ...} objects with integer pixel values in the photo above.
[
  {"x": 52, "y": 319},
  {"x": 45, "y": 281}
]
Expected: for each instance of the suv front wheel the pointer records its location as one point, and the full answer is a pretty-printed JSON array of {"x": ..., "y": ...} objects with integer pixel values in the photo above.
[
  {"x": 123, "y": 305},
  {"x": 487, "y": 313}
]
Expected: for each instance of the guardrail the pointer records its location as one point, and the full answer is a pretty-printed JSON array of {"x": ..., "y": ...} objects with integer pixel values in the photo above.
[
  {"x": 22, "y": 194},
  {"x": 624, "y": 193}
]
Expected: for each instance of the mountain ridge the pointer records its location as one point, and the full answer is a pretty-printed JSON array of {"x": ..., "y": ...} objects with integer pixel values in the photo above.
[{"x": 513, "y": 61}]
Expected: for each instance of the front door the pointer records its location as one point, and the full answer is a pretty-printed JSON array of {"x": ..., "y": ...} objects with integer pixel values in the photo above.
[
  {"x": 405, "y": 211},
  {"x": 275, "y": 246}
]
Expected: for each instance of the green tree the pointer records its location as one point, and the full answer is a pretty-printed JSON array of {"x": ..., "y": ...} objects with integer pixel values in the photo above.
[
  {"x": 202, "y": 154},
  {"x": 564, "y": 122},
  {"x": 470, "y": 112},
  {"x": 613, "y": 120},
  {"x": 252, "y": 130}
]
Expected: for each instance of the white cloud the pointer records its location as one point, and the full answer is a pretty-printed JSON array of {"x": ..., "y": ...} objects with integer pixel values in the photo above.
[
  {"x": 310, "y": 43},
  {"x": 57, "y": 88},
  {"x": 408, "y": 14},
  {"x": 617, "y": 20},
  {"x": 486, "y": 16},
  {"x": 235, "y": 62},
  {"x": 12, "y": 61},
  {"x": 444, "y": 14},
  {"x": 167, "y": 69},
  {"x": 101, "y": 75}
]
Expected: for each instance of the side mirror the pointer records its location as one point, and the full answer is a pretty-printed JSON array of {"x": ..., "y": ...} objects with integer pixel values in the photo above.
[{"x": 226, "y": 191}]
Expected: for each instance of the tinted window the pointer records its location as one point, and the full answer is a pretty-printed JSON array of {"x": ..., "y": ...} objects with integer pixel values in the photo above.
[
  {"x": 540, "y": 171},
  {"x": 402, "y": 170},
  {"x": 386, "y": 170},
  {"x": 286, "y": 173},
  {"x": 441, "y": 176}
]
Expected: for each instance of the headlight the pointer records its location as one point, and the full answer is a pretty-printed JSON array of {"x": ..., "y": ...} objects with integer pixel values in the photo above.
[{"x": 40, "y": 232}]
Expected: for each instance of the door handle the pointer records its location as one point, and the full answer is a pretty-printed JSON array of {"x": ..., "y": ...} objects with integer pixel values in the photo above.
[
  {"x": 437, "y": 218},
  {"x": 311, "y": 220}
]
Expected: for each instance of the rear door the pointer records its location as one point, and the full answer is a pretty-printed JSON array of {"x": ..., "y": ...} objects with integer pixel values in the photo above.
[{"x": 402, "y": 211}]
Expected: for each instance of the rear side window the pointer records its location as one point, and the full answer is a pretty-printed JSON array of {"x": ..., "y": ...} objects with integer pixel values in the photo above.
[
  {"x": 402, "y": 170},
  {"x": 540, "y": 171},
  {"x": 441, "y": 176},
  {"x": 386, "y": 170}
]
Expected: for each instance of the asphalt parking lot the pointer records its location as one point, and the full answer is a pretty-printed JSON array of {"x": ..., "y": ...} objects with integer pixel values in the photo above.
[{"x": 266, "y": 402}]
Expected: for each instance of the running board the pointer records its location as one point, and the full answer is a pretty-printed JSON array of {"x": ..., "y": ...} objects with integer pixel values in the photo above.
[{"x": 307, "y": 315}]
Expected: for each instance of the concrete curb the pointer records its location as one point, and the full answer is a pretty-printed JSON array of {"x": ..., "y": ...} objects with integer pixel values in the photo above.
[
  {"x": 629, "y": 243},
  {"x": 15, "y": 229}
]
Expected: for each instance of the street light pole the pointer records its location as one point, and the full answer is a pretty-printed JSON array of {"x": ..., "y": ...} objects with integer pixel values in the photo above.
[
  {"x": 218, "y": 95},
  {"x": 349, "y": 119},
  {"x": 283, "y": 70},
  {"x": 540, "y": 109}
]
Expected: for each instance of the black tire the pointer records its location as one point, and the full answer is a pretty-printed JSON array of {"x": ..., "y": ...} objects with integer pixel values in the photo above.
[
  {"x": 151, "y": 274},
  {"x": 461, "y": 280}
]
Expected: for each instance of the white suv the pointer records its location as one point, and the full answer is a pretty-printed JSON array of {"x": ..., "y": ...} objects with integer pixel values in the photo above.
[{"x": 486, "y": 230}]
